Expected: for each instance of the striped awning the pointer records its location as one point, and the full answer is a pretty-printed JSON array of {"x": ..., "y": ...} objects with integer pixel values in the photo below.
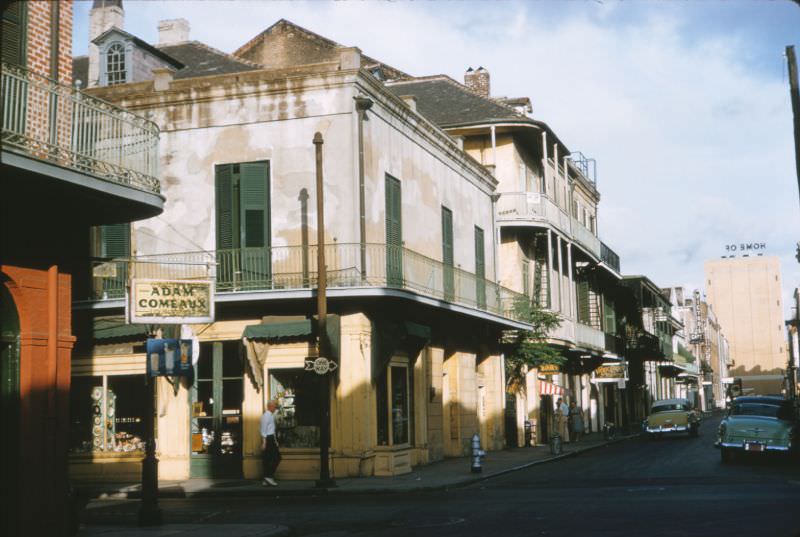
[{"x": 548, "y": 388}]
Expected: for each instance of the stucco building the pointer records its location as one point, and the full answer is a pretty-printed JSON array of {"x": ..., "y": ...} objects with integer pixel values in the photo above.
[
  {"x": 417, "y": 313},
  {"x": 745, "y": 293}
]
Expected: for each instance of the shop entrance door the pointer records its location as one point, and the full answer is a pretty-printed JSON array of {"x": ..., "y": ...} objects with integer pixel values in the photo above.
[{"x": 216, "y": 412}]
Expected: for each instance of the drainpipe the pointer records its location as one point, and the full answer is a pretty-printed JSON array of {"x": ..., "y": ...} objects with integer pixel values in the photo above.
[
  {"x": 495, "y": 196},
  {"x": 555, "y": 179},
  {"x": 494, "y": 148},
  {"x": 362, "y": 105}
]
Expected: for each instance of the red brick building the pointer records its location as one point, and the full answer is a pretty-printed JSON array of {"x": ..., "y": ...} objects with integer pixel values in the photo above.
[{"x": 65, "y": 169}]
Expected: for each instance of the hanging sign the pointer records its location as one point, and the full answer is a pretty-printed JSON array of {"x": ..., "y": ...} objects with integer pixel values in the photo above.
[
  {"x": 169, "y": 357},
  {"x": 549, "y": 369},
  {"x": 321, "y": 366},
  {"x": 171, "y": 301}
]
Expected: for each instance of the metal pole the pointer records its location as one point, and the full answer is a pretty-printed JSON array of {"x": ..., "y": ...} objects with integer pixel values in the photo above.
[
  {"x": 325, "y": 480},
  {"x": 149, "y": 512},
  {"x": 794, "y": 91},
  {"x": 362, "y": 105}
]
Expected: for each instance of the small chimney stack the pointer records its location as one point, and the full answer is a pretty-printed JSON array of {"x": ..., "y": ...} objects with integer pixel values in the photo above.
[
  {"x": 173, "y": 31},
  {"x": 477, "y": 80}
]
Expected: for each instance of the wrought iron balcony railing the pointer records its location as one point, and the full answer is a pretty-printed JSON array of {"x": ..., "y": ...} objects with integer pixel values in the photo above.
[
  {"x": 284, "y": 268},
  {"x": 609, "y": 256},
  {"x": 50, "y": 121}
]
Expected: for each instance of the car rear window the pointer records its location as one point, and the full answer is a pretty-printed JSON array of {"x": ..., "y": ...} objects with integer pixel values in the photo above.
[
  {"x": 669, "y": 407},
  {"x": 761, "y": 409}
]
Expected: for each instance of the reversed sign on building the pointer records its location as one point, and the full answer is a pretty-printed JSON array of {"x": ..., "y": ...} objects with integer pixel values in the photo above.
[{"x": 171, "y": 301}]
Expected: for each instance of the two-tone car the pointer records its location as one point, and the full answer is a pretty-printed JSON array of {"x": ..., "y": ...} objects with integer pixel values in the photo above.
[
  {"x": 672, "y": 416},
  {"x": 759, "y": 424}
]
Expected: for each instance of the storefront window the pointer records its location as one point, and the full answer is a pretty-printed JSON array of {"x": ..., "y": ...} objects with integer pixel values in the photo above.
[
  {"x": 298, "y": 393},
  {"x": 394, "y": 406},
  {"x": 106, "y": 413}
]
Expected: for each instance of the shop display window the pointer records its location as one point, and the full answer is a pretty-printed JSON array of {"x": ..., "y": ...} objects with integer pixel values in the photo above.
[
  {"x": 107, "y": 413},
  {"x": 298, "y": 393},
  {"x": 393, "y": 398}
]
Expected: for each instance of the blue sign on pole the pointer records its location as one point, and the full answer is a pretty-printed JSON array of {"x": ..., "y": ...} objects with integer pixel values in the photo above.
[{"x": 169, "y": 357}]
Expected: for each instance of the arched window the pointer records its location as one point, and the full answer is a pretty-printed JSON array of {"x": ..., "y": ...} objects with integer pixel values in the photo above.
[{"x": 115, "y": 64}]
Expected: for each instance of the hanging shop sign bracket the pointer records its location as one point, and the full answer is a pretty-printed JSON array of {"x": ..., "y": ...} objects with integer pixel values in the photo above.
[{"x": 321, "y": 365}]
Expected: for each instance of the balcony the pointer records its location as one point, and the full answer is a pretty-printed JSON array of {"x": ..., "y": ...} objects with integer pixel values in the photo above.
[
  {"x": 588, "y": 336},
  {"x": 565, "y": 332},
  {"x": 609, "y": 257},
  {"x": 99, "y": 150},
  {"x": 527, "y": 207},
  {"x": 585, "y": 238},
  {"x": 284, "y": 270}
]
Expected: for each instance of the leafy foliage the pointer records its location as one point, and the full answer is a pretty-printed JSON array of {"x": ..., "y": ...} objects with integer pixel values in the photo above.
[{"x": 525, "y": 349}]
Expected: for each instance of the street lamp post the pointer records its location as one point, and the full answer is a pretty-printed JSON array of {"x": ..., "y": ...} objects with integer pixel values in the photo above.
[
  {"x": 149, "y": 511},
  {"x": 325, "y": 480}
]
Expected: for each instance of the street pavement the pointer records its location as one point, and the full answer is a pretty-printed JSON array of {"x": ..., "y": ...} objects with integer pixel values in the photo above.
[{"x": 670, "y": 487}]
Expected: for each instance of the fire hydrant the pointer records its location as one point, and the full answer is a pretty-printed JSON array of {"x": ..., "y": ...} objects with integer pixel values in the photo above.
[{"x": 477, "y": 453}]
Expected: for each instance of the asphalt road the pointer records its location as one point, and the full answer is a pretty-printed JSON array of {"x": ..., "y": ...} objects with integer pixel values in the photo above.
[{"x": 669, "y": 487}]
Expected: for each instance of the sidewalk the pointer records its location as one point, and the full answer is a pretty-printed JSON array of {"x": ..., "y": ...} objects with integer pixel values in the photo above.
[{"x": 449, "y": 473}]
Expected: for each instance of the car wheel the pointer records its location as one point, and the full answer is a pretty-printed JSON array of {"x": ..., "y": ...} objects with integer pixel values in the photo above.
[{"x": 726, "y": 456}]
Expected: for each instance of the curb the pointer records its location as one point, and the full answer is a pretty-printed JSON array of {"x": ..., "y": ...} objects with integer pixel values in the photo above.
[{"x": 275, "y": 493}]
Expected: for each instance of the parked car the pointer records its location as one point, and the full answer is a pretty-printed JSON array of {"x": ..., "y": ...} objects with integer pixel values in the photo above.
[
  {"x": 672, "y": 416},
  {"x": 759, "y": 424}
]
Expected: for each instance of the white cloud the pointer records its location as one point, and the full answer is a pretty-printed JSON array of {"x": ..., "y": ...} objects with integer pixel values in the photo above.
[{"x": 694, "y": 149}]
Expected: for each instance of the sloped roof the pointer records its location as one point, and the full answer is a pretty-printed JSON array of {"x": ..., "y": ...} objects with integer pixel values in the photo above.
[
  {"x": 449, "y": 104},
  {"x": 200, "y": 59}
]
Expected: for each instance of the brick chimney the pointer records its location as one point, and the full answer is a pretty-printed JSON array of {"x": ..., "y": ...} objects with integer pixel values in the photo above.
[
  {"x": 478, "y": 81},
  {"x": 173, "y": 31}
]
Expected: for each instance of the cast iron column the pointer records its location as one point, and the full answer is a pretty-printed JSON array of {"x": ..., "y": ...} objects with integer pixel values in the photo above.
[{"x": 149, "y": 512}]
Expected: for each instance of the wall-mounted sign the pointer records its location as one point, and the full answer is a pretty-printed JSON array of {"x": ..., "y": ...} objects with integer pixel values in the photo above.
[
  {"x": 169, "y": 357},
  {"x": 743, "y": 247},
  {"x": 611, "y": 373},
  {"x": 171, "y": 301},
  {"x": 549, "y": 369},
  {"x": 321, "y": 365}
]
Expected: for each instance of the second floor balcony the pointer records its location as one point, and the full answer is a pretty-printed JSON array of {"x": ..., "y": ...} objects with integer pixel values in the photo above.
[
  {"x": 288, "y": 272},
  {"x": 96, "y": 151}
]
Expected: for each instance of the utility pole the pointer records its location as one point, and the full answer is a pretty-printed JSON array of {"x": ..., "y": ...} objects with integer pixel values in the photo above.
[
  {"x": 791, "y": 61},
  {"x": 325, "y": 480},
  {"x": 149, "y": 511}
]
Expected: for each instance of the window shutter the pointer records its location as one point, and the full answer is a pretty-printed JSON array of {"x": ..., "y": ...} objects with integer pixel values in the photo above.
[
  {"x": 480, "y": 268},
  {"x": 14, "y": 33},
  {"x": 583, "y": 301},
  {"x": 526, "y": 278},
  {"x": 610, "y": 316},
  {"x": 116, "y": 240},
  {"x": 394, "y": 228},
  {"x": 447, "y": 253},
  {"x": 254, "y": 206},
  {"x": 227, "y": 232}
]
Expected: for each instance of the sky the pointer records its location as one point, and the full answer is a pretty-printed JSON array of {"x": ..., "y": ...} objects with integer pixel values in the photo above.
[{"x": 684, "y": 105}]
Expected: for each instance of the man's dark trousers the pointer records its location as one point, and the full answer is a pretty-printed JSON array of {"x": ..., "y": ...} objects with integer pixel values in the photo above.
[{"x": 272, "y": 457}]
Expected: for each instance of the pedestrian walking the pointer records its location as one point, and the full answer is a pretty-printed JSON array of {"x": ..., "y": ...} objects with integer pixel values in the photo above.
[
  {"x": 269, "y": 445},
  {"x": 575, "y": 421},
  {"x": 562, "y": 416}
]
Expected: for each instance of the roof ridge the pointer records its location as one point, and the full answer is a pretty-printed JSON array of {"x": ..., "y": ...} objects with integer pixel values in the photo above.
[
  {"x": 464, "y": 88},
  {"x": 212, "y": 49},
  {"x": 259, "y": 37}
]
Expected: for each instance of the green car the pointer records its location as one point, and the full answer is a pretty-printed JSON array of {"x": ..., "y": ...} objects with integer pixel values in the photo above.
[{"x": 758, "y": 424}]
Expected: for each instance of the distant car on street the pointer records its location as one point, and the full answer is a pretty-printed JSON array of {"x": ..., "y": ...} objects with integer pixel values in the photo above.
[
  {"x": 672, "y": 416},
  {"x": 759, "y": 424}
]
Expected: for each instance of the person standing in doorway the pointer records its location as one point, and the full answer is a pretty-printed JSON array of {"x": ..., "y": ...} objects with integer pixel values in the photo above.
[
  {"x": 269, "y": 445},
  {"x": 562, "y": 416}
]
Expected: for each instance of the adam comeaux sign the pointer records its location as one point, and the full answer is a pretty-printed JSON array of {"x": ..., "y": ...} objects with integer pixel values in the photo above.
[{"x": 171, "y": 301}]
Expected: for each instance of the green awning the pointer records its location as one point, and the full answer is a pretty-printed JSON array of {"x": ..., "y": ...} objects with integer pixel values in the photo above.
[
  {"x": 117, "y": 328},
  {"x": 304, "y": 329}
]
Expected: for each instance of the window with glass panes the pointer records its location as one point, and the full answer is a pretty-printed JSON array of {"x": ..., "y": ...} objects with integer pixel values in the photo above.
[
  {"x": 298, "y": 393},
  {"x": 393, "y": 397},
  {"x": 115, "y": 64}
]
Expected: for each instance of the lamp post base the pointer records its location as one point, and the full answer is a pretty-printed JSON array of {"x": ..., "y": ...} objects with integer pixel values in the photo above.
[{"x": 328, "y": 483}]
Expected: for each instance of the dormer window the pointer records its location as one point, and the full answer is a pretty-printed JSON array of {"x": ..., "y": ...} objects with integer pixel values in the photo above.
[{"x": 115, "y": 64}]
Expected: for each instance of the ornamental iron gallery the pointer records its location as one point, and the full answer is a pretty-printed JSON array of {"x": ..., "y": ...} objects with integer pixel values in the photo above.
[{"x": 171, "y": 301}]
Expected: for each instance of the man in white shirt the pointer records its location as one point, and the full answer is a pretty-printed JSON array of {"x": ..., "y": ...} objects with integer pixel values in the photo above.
[
  {"x": 562, "y": 418},
  {"x": 269, "y": 445}
]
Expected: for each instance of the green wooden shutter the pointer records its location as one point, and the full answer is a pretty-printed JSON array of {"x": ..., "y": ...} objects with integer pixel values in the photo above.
[
  {"x": 526, "y": 277},
  {"x": 447, "y": 253},
  {"x": 227, "y": 228},
  {"x": 394, "y": 233},
  {"x": 14, "y": 33},
  {"x": 116, "y": 240},
  {"x": 610, "y": 316},
  {"x": 254, "y": 217},
  {"x": 480, "y": 268},
  {"x": 583, "y": 301}
]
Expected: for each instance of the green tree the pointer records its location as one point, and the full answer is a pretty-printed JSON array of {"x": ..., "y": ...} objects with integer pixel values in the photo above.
[{"x": 525, "y": 349}]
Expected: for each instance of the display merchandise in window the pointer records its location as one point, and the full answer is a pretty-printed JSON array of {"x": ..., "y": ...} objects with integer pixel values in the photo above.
[
  {"x": 107, "y": 414},
  {"x": 297, "y": 418},
  {"x": 392, "y": 396}
]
